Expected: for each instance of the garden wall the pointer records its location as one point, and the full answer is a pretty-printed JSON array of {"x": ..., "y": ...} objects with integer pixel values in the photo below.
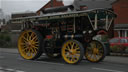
[{"x": 14, "y": 38}]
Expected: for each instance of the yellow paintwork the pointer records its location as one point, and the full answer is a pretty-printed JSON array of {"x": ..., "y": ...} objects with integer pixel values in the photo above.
[
  {"x": 71, "y": 52},
  {"x": 94, "y": 52},
  {"x": 28, "y": 44}
]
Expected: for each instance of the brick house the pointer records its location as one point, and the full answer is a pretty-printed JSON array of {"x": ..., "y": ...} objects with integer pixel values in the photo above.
[
  {"x": 18, "y": 26},
  {"x": 120, "y": 7},
  {"x": 55, "y": 3},
  {"x": 91, "y": 4}
]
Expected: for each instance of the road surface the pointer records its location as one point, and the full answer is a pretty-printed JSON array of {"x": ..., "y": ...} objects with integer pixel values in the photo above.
[{"x": 13, "y": 62}]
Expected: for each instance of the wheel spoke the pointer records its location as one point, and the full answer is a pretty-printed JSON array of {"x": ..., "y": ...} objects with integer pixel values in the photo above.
[
  {"x": 25, "y": 39},
  {"x": 31, "y": 36},
  {"x": 94, "y": 51},
  {"x": 27, "y": 35},
  {"x": 35, "y": 51},
  {"x": 33, "y": 42},
  {"x": 23, "y": 44},
  {"x": 34, "y": 47},
  {"x": 24, "y": 49},
  {"x": 72, "y": 45},
  {"x": 77, "y": 52},
  {"x": 68, "y": 48},
  {"x": 34, "y": 39},
  {"x": 28, "y": 44},
  {"x": 71, "y": 52},
  {"x": 32, "y": 50},
  {"x": 77, "y": 48}
]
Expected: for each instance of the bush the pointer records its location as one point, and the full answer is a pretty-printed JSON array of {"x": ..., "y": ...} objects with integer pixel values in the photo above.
[
  {"x": 4, "y": 39},
  {"x": 118, "y": 49},
  {"x": 126, "y": 50}
]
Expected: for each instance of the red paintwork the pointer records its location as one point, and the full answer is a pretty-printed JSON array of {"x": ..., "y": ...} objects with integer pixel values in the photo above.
[
  {"x": 102, "y": 32},
  {"x": 49, "y": 36},
  {"x": 118, "y": 43}
]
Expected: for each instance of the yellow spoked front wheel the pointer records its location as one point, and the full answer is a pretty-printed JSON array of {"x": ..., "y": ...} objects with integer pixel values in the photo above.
[
  {"x": 30, "y": 44},
  {"x": 72, "y": 52},
  {"x": 95, "y": 51}
]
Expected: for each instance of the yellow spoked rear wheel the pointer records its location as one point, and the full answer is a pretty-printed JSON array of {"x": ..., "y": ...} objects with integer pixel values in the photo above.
[
  {"x": 95, "y": 51},
  {"x": 72, "y": 52},
  {"x": 29, "y": 44}
]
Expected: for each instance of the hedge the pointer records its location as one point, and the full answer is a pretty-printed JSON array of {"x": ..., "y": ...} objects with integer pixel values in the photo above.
[{"x": 4, "y": 39}]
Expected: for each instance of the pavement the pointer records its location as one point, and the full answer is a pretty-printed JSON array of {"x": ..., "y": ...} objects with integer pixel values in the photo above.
[
  {"x": 112, "y": 59},
  {"x": 9, "y": 50}
]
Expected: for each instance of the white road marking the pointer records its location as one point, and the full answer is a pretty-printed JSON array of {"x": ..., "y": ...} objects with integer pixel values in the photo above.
[
  {"x": 109, "y": 70},
  {"x": 1, "y": 57},
  {"x": 10, "y": 70},
  {"x": 19, "y": 71}
]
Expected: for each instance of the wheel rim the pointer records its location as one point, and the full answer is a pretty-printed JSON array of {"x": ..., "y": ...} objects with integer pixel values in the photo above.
[
  {"x": 28, "y": 44},
  {"x": 71, "y": 52},
  {"x": 94, "y": 51}
]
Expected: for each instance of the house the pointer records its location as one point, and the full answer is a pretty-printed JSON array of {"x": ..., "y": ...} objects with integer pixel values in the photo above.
[
  {"x": 25, "y": 14},
  {"x": 18, "y": 26},
  {"x": 78, "y": 4},
  {"x": 92, "y": 4},
  {"x": 55, "y": 3},
  {"x": 120, "y": 7}
]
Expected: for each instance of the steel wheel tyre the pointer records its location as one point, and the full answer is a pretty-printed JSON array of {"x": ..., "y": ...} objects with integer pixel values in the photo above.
[
  {"x": 30, "y": 44},
  {"x": 95, "y": 51},
  {"x": 72, "y": 52}
]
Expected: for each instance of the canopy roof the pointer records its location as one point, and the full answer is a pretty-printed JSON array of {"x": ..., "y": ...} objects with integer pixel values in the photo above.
[{"x": 72, "y": 14}]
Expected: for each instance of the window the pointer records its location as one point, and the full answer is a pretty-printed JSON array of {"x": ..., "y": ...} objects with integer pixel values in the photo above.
[
  {"x": 123, "y": 41},
  {"x": 122, "y": 33},
  {"x": 115, "y": 40}
]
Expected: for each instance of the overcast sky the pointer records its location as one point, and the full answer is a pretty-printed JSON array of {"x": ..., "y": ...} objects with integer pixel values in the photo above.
[
  {"x": 14, "y": 6},
  {"x": 0, "y": 3}
]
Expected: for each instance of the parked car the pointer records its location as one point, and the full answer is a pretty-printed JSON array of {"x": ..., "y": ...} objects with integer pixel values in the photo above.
[{"x": 123, "y": 41}]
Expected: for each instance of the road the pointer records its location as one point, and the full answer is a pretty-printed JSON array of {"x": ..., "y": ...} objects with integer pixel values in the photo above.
[{"x": 12, "y": 62}]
